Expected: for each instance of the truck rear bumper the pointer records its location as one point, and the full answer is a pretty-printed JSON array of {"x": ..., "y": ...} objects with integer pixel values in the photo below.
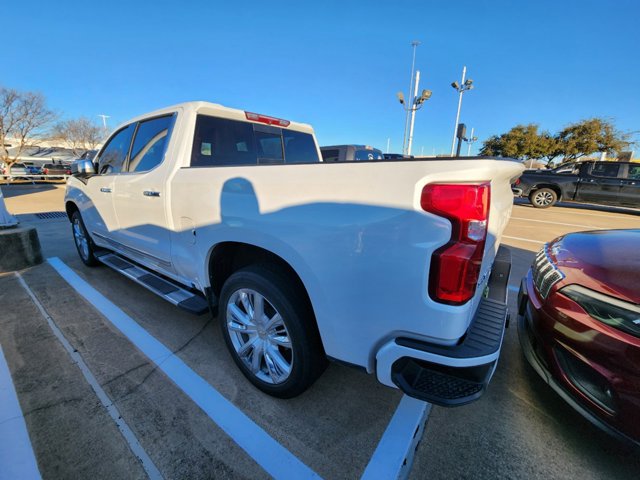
[{"x": 456, "y": 375}]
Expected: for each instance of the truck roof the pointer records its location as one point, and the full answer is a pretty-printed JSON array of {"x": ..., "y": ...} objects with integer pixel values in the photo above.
[{"x": 214, "y": 109}]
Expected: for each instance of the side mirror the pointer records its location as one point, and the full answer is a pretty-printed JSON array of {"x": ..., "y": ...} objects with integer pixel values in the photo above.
[{"x": 83, "y": 168}]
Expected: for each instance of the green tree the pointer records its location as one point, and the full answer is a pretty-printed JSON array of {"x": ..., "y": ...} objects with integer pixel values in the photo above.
[
  {"x": 523, "y": 142},
  {"x": 591, "y": 136}
]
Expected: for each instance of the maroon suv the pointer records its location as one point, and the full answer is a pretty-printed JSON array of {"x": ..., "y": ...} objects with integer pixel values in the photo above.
[{"x": 579, "y": 325}]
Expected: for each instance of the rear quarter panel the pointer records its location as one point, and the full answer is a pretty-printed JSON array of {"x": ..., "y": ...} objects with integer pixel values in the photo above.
[{"x": 354, "y": 232}]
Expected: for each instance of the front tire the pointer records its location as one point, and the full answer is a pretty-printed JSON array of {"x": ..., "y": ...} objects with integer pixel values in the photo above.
[
  {"x": 270, "y": 331},
  {"x": 543, "y": 198},
  {"x": 84, "y": 245}
]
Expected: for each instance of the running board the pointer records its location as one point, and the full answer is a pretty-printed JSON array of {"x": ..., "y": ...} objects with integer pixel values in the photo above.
[{"x": 170, "y": 291}]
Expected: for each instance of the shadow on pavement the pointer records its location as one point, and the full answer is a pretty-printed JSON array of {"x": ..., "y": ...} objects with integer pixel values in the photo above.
[{"x": 16, "y": 190}]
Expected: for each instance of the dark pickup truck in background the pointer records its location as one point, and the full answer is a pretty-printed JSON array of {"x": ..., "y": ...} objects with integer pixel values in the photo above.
[
  {"x": 350, "y": 153},
  {"x": 607, "y": 183}
]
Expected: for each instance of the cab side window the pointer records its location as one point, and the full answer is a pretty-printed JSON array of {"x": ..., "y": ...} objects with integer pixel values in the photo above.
[
  {"x": 114, "y": 154},
  {"x": 150, "y": 144},
  {"x": 605, "y": 170}
]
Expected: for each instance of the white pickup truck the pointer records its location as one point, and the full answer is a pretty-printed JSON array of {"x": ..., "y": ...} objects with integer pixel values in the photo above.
[{"x": 390, "y": 266}]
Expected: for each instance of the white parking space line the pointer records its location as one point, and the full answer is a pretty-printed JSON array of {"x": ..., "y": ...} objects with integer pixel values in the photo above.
[
  {"x": 572, "y": 211},
  {"x": 17, "y": 459},
  {"x": 148, "y": 465},
  {"x": 523, "y": 239},
  {"x": 274, "y": 458},
  {"x": 393, "y": 457},
  {"x": 556, "y": 223}
]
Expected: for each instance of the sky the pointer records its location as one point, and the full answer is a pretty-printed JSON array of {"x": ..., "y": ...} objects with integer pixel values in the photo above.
[{"x": 336, "y": 65}]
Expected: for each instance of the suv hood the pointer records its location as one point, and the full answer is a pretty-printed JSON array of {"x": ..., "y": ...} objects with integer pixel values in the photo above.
[{"x": 605, "y": 260}]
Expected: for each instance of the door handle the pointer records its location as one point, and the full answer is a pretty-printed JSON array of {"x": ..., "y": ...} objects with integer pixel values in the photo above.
[
  {"x": 105, "y": 190},
  {"x": 150, "y": 193}
]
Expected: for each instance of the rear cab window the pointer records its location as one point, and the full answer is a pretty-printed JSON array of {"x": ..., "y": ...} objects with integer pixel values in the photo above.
[{"x": 219, "y": 142}]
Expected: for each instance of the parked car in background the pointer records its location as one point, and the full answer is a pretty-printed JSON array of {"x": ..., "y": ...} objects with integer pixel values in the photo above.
[
  {"x": 579, "y": 325},
  {"x": 32, "y": 168},
  {"x": 17, "y": 171},
  {"x": 607, "y": 183},
  {"x": 350, "y": 153},
  {"x": 396, "y": 156},
  {"x": 56, "y": 169}
]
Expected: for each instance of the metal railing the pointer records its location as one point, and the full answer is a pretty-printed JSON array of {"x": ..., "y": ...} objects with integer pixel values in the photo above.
[{"x": 33, "y": 178}]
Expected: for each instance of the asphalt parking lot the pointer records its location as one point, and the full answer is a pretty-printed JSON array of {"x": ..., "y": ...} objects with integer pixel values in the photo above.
[{"x": 113, "y": 382}]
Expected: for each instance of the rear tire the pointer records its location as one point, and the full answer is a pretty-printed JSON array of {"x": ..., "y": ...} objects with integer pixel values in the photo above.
[
  {"x": 270, "y": 330},
  {"x": 84, "y": 244},
  {"x": 543, "y": 198}
]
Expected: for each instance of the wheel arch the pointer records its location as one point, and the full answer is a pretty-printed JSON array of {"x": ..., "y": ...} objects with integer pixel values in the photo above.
[
  {"x": 71, "y": 207},
  {"x": 227, "y": 257},
  {"x": 556, "y": 188}
]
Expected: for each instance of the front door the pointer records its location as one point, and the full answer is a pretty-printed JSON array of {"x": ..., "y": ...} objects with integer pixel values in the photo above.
[
  {"x": 98, "y": 211},
  {"x": 140, "y": 197}
]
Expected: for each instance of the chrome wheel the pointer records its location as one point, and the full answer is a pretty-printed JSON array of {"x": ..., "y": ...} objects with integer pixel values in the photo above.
[
  {"x": 259, "y": 336},
  {"x": 80, "y": 238},
  {"x": 543, "y": 198}
]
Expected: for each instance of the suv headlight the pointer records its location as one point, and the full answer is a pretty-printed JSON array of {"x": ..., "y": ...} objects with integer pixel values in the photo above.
[{"x": 611, "y": 311}]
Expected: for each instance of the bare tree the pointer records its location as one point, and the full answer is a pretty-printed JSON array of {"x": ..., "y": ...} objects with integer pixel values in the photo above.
[
  {"x": 23, "y": 117},
  {"x": 80, "y": 135}
]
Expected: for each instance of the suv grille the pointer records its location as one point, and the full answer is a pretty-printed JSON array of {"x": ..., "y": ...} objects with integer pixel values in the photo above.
[{"x": 545, "y": 273}]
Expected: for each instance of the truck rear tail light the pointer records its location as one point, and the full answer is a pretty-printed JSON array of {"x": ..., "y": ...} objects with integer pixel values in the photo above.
[
  {"x": 256, "y": 117},
  {"x": 455, "y": 267}
]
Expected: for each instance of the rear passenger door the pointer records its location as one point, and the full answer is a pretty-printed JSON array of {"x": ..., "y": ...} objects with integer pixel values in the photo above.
[
  {"x": 601, "y": 184},
  {"x": 140, "y": 197}
]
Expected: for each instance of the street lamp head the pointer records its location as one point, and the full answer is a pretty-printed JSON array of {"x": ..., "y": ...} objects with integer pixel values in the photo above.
[
  {"x": 400, "y": 96},
  {"x": 455, "y": 85},
  {"x": 426, "y": 95},
  {"x": 468, "y": 81}
]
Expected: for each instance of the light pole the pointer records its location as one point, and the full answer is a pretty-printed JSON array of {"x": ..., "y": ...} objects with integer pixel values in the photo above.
[
  {"x": 470, "y": 141},
  {"x": 414, "y": 44},
  {"x": 461, "y": 87},
  {"x": 414, "y": 104},
  {"x": 104, "y": 123}
]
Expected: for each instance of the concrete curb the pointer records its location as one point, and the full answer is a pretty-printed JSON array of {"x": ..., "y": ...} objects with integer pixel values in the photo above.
[{"x": 19, "y": 248}]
